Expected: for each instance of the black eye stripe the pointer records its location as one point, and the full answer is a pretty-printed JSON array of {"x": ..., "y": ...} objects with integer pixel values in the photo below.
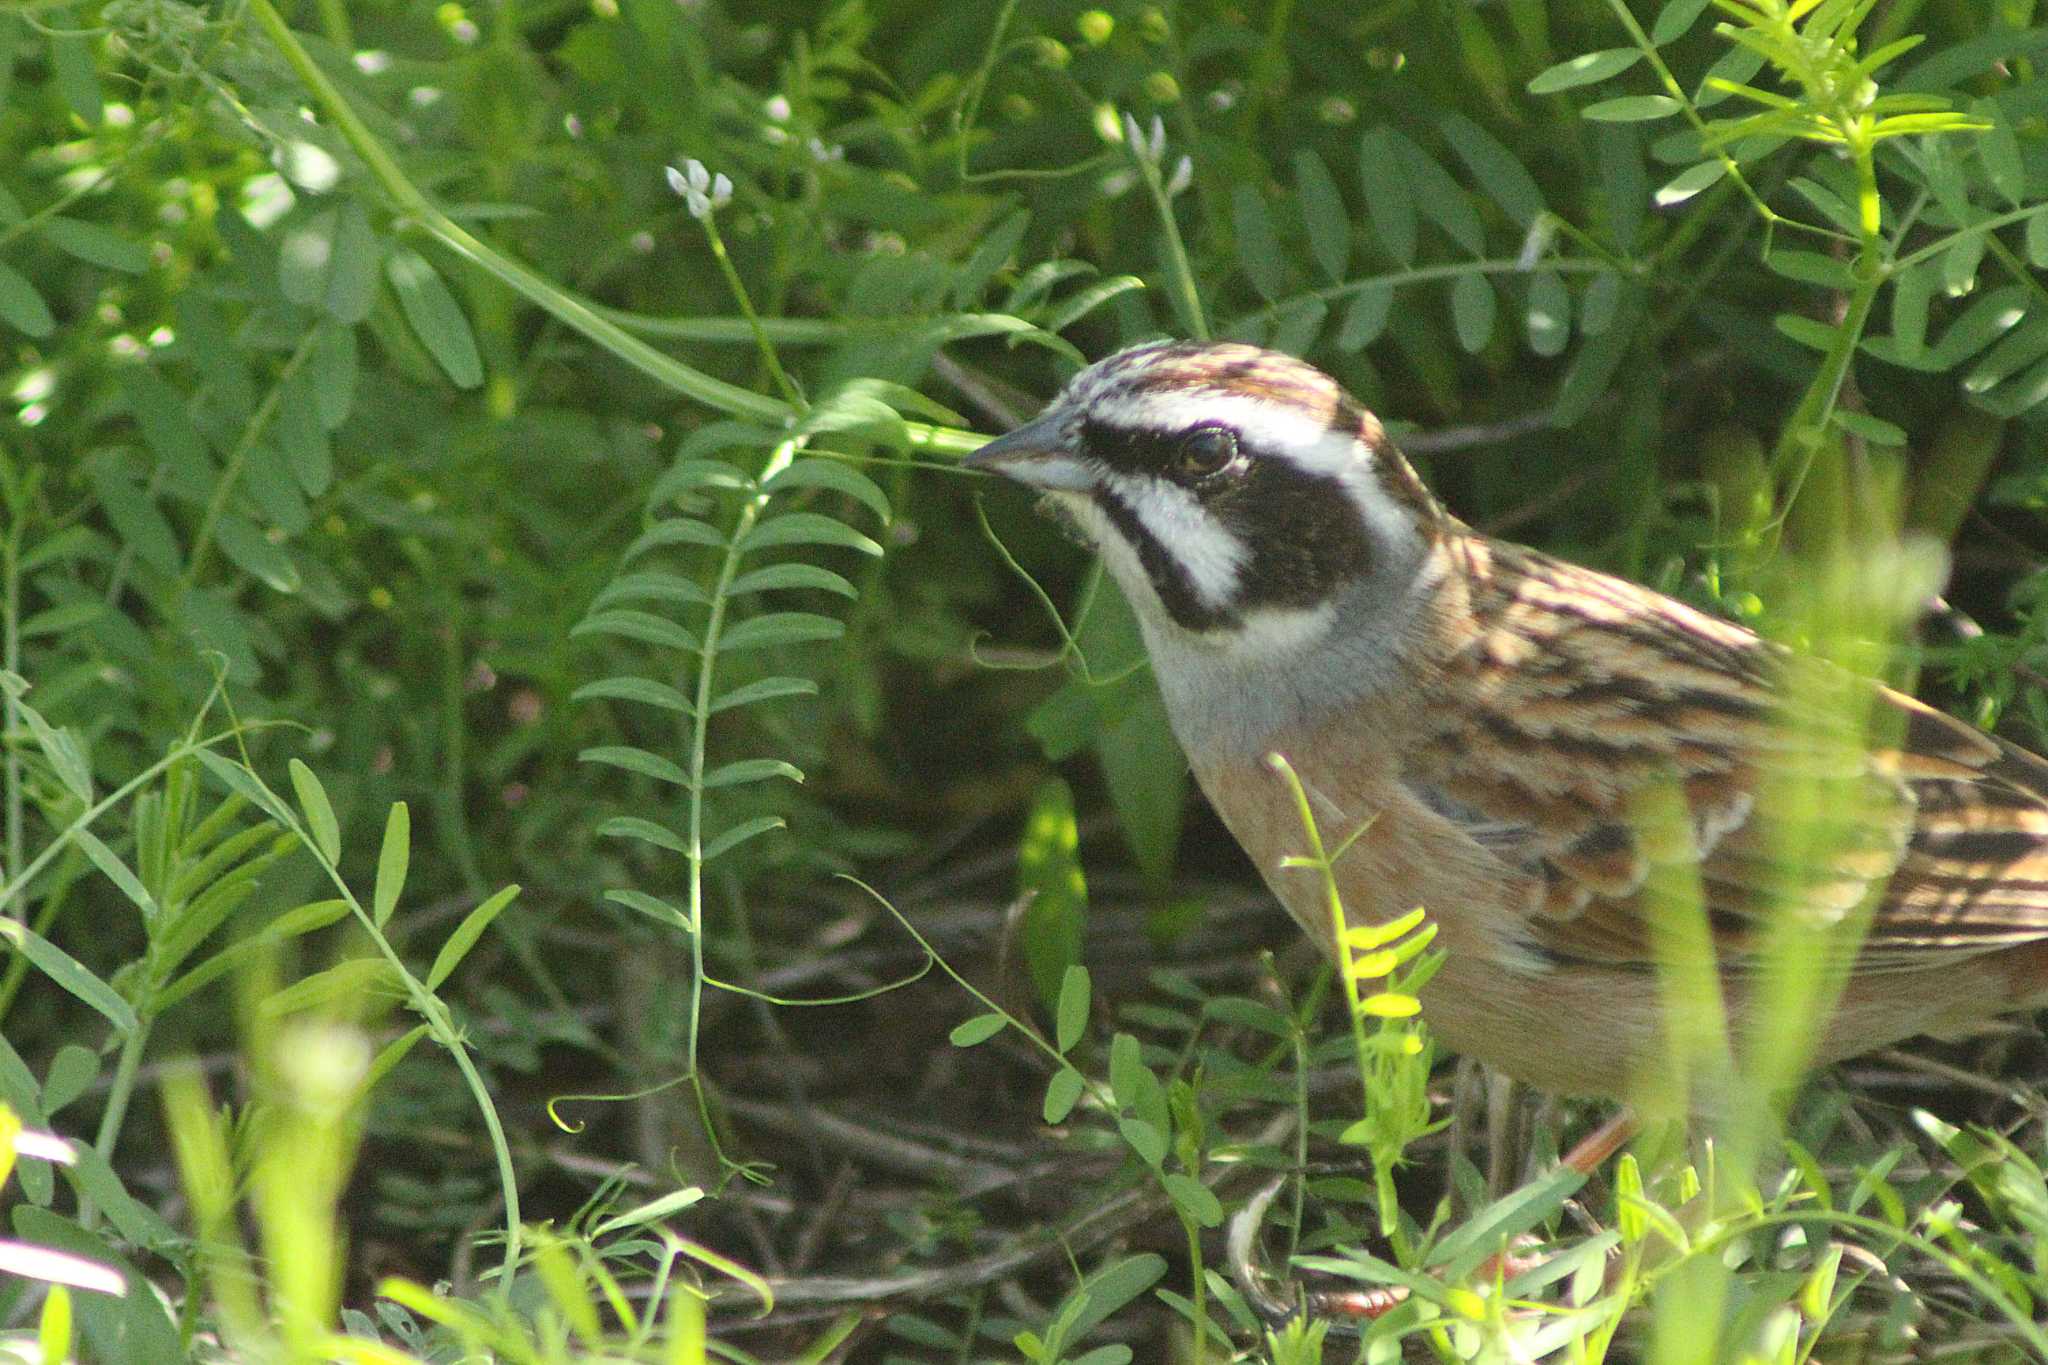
[{"x": 1145, "y": 450}]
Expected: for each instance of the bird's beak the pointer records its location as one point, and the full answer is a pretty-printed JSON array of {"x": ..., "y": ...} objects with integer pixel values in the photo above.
[{"x": 1034, "y": 454}]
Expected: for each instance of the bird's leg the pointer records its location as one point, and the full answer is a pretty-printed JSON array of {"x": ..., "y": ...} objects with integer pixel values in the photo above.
[{"x": 1592, "y": 1150}]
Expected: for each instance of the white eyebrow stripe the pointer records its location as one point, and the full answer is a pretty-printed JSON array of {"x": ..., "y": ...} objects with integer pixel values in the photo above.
[
  {"x": 1259, "y": 422},
  {"x": 1207, "y": 551}
]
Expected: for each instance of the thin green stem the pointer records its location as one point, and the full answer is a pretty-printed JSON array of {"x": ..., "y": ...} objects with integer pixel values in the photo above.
[
  {"x": 238, "y": 459},
  {"x": 778, "y": 460},
  {"x": 1180, "y": 275},
  {"x": 1991, "y": 224},
  {"x": 16, "y": 530},
  {"x": 119, "y": 1092},
  {"x": 790, "y": 392}
]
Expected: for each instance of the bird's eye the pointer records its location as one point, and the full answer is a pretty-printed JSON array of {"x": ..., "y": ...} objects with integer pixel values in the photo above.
[{"x": 1206, "y": 451}]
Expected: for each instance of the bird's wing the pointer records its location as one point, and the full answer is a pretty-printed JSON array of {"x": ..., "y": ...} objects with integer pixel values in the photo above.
[{"x": 1640, "y": 760}]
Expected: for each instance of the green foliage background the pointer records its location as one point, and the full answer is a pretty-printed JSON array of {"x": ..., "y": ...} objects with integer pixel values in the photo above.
[{"x": 373, "y": 401}]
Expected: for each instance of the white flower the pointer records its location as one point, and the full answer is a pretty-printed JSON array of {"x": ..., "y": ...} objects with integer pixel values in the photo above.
[
  {"x": 702, "y": 191},
  {"x": 1183, "y": 176},
  {"x": 778, "y": 108},
  {"x": 1150, "y": 149}
]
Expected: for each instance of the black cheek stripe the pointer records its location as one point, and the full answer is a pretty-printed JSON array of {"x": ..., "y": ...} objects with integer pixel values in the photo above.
[{"x": 1170, "y": 578}]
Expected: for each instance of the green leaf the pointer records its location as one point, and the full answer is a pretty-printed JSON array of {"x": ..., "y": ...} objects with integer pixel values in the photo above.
[
  {"x": 740, "y": 833},
  {"x": 1389, "y": 200},
  {"x": 691, "y": 476},
  {"x": 293, "y": 923},
  {"x": 1631, "y": 109},
  {"x": 1323, "y": 214},
  {"x": 1999, "y": 149},
  {"x": 390, "y": 1055},
  {"x": 2037, "y": 239},
  {"x": 1062, "y": 1093},
  {"x": 646, "y": 831},
  {"x": 990, "y": 255},
  {"x": 1602, "y": 303},
  {"x": 751, "y": 770},
  {"x": 465, "y": 936},
  {"x": 352, "y": 272},
  {"x": 1495, "y": 169},
  {"x": 979, "y": 1029},
  {"x": 1549, "y": 319},
  {"x": 1071, "y": 1014},
  {"x": 2019, "y": 348},
  {"x": 649, "y": 585},
  {"x": 1473, "y": 307},
  {"x": 790, "y": 577},
  {"x": 62, "y": 749},
  {"x": 1366, "y": 317},
  {"x": 1676, "y": 19},
  {"x": 394, "y": 857},
  {"x": 1585, "y": 69},
  {"x": 333, "y": 368},
  {"x": 243, "y": 783},
  {"x": 167, "y": 426},
  {"x": 249, "y": 549},
  {"x": 1810, "y": 267},
  {"x": 1690, "y": 182},
  {"x": 806, "y": 528},
  {"x": 1494, "y": 1226},
  {"x": 1912, "y": 291},
  {"x": 1593, "y": 368},
  {"x": 1808, "y": 332},
  {"x": 1049, "y": 876},
  {"x": 1875, "y": 430},
  {"x": 780, "y": 628},
  {"x": 1440, "y": 199},
  {"x": 436, "y": 318},
  {"x": 636, "y": 761},
  {"x": 349, "y": 981},
  {"x": 95, "y": 244},
  {"x": 675, "y": 531},
  {"x": 62, "y": 619},
  {"x": 1148, "y": 1140},
  {"x": 1085, "y": 301},
  {"x": 1297, "y": 322},
  {"x": 1194, "y": 1199},
  {"x": 21, "y": 307},
  {"x": 1259, "y": 253},
  {"x": 634, "y": 689},
  {"x": 644, "y": 626},
  {"x": 1136, "y": 1088},
  {"x": 71, "y": 1074},
  {"x": 1109, "y": 1290},
  {"x": 117, "y": 871},
  {"x": 764, "y": 689},
  {"x": 319, "y": 811},
  {"x": 304, "y": 439},
  {"x": 69, "y": 973},
  {"x": 655, "y": 908},
  {"x": 838, "y": 477}
]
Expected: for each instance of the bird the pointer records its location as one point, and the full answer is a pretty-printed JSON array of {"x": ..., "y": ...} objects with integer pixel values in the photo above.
[{"x": 1563, "y": 768}]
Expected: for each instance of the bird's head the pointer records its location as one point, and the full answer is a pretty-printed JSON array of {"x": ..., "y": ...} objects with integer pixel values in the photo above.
[{"x": 1239, "y": 496}]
